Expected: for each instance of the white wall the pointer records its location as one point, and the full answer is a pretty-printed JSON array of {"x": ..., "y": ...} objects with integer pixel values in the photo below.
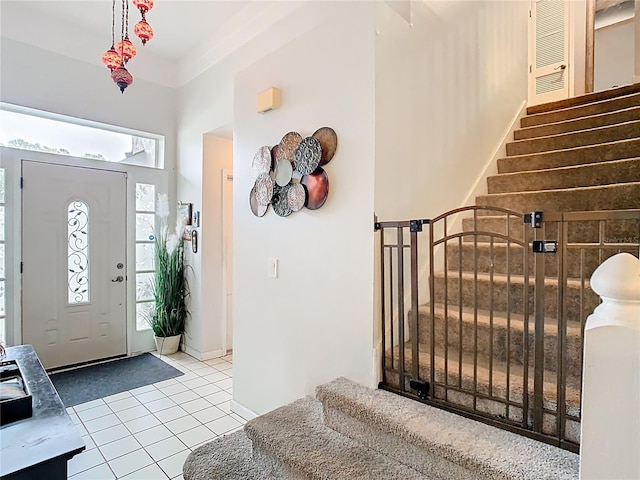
[
  {"x": 205, "y": 105},
  {"x": 447, "y": 86},
  {"x": 614, "y": 55},
  {"x": 314, "y": 322},
  {"x": 636, "y": 42}
]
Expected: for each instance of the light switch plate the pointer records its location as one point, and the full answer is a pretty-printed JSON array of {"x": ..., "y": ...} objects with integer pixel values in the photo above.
[{"x": 273, "y": 268}]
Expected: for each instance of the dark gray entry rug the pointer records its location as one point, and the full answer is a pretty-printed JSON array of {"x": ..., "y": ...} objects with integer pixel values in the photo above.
[{"x": 101, "y": 380}]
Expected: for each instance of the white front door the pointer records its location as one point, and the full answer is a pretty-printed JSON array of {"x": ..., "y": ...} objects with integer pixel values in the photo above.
[
  {"x": 74, "y": 263},
  {"x": 549, "y": 51}
]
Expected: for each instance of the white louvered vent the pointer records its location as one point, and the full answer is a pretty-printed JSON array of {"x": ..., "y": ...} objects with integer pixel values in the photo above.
[
  {"x": 550, "y": 83},
  {"x": 549, "y": 32}
]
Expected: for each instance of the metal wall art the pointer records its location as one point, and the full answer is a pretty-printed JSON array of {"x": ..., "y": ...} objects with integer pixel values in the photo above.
[{"x": 289, "y": 176}]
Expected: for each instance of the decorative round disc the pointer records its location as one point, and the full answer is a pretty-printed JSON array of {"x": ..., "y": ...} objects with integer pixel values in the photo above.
[
  {"x": 317, "y": 185},
  {"x": 329, "y": 142},
  {"x": 257, "y": 209},
  {"x": 297, "y": 196},
  {"x": 264, "y": 189},
  {"x": 307, "y": 156},
  {"x": 261, "y": 161},
  {"x": 283, "y": 172},
  {"x": 281, "y": 202},
  {"x": 287, "y": 146},
  {"x": 274, "y": 154}
]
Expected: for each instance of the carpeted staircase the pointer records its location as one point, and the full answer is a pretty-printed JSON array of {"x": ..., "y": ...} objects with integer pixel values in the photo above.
[
  {"x": 579, "y": 154},
  {"x": 352, "y": 432},
  {"x": 574, "y": 155}
]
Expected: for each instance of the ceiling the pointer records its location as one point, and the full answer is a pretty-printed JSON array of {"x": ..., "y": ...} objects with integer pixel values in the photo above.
[
  {"x": 179, "y": 25},
  {"x": 190, "y": 35}
]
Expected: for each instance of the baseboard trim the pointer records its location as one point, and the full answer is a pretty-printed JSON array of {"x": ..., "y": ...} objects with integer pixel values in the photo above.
[
  {"x": 243, "y": 411},
  {"x": 202, "y": 356}
]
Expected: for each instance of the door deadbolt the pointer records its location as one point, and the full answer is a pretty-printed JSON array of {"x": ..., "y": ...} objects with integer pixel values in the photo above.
[
  {"x": 120, "y": 266},
  {"x": 119, "y": 278}
]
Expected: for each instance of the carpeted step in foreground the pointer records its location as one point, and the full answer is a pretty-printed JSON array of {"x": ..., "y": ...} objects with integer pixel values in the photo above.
[
  {"x": 354, "y": 432},
  {"x": 439, "y": 444}
]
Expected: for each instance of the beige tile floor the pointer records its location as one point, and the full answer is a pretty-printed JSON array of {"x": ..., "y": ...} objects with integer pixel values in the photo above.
[{"x": 146, "y": 433}]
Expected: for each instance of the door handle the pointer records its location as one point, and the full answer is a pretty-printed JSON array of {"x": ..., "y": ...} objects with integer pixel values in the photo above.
[
  {"x": 119, "y": 278},
  {"x": 561, "y": 67}
]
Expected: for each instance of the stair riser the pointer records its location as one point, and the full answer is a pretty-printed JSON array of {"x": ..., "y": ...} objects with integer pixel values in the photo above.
[
  {"x": 424, "y": 461},
  {"x": 611, "y": 197},
  {"x": 498, "y": 347},
  {"x": 613, "y": 118},
  {"x": 581, "y": 111},
  {"x": 494, "y": 407},
  {"x": 510, "y": 298},
  {"x": 576, "y": 139},
  {"x": 620, "y": 231},
  {"x": 274, "y": 467},
  {"x": 572, "y": 157},
  {"x": 578, "y": 264},
  {"x": 621, "y": 171}
]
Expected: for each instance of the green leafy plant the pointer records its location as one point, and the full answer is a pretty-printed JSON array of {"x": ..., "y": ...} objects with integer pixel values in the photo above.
[{"x": 170, "y": 287}]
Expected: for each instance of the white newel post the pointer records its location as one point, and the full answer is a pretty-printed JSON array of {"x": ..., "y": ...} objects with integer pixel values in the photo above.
[{"x": 610, "y": 438}]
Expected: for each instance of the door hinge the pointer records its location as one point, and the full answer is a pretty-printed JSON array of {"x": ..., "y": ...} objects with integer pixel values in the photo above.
[
  {"x": 21, "y": 182},
  {"x": 534, "y": 218},
  {"x": 529, "y": 13},
  {"x": 21, "y": 266},
  {"x": 530, "y": 69}
]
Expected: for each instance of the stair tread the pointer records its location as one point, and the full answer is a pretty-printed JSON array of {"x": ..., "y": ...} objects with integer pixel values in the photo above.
[
  {"x": 296, "y": 436},
  {"x": 602, "y": 128},
  {"x": 584, "y": 100},
  {"x": 558, "y": 190},
  {"x": 474, "y": 445},
  {"x": 500, "y": 319},
  {"x": 521, "y": 162},
  {"x": 513, "y": 278},
  {"x": 573, "y": 121},
  {"x": 560, "y": 170},
  {"x": 225, "y": 458}
]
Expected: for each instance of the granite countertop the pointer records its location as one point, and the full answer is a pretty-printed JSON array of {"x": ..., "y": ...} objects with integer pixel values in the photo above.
[{"x": 49, "y": 433}]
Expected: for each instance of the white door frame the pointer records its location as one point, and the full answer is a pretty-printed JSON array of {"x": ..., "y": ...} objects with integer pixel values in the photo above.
[
  {"x": 10, "y": 159},
  {"x": 566, "y": 71},
  {"x": 227, "y": 266}
]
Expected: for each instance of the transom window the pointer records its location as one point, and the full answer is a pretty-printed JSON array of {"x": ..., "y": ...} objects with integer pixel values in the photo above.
[{"x": 29, "y": 129}]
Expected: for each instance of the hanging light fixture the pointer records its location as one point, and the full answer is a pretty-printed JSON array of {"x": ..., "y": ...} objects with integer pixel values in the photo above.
[
  {"x": 120, "y": 53},
  {"x": 111, "y": 58},
  {"x": 143, "y": 5},
  {"x": 142, "y": 29}
]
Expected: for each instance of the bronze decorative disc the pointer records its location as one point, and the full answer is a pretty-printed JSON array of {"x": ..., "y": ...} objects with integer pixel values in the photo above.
[
  {"x": 280, "y": 202},
  {"x": 287, "y": 146},
  {"x": 283, "y": 172},
  {"x": 307, "y": 155},
  {"x": 297, "y": 196},
  {"x": 257, "y": 209},
  {"x": 329, "y": 141},
  {"x": 317, "y": 185},
  {"x": 261, "y": 161},
  {"x": 264, "y": 189}
]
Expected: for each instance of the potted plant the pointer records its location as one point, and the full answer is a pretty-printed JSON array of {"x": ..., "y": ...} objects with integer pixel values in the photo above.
[{"x": 170, "y": 287}]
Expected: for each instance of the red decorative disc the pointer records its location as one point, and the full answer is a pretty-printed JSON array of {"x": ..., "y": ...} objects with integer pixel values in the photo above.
[{"x": 317, "y": 184}]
